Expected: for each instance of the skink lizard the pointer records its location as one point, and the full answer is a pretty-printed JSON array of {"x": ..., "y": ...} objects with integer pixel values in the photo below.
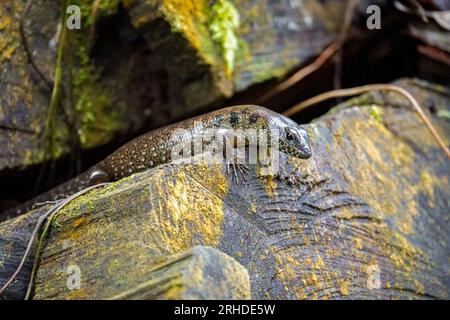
[{"x": 154, "y": 148}]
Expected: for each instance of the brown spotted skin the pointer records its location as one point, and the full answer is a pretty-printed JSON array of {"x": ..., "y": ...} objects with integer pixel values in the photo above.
[{"x": 155, "y": 147}]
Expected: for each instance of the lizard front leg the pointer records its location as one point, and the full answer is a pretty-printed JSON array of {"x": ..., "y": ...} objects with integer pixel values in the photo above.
[
  {"x": 234, "y": 154},
  {"x": 238, "y": 165}
]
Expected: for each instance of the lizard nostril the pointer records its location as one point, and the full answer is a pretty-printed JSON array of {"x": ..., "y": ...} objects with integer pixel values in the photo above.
[{"x": 306, "y": 152}]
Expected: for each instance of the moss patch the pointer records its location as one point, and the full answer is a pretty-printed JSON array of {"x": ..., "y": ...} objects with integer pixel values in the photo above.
[
  {"x": 223, "y": 25},
  {"x": 98, "y": 118},
  {"x": 211, "y": 30}
]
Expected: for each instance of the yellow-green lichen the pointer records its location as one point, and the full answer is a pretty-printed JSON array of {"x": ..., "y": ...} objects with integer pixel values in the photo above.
[
  {"x": 91, "y": 10},
  {"x": 189, "y": 214},
  {"x": 375, "y": 112},
  {"x": 444, "y": 114},
  {"x": 189, "y": 18},
  {"x": 394, "y": 180},
  {"x": 8, "y": 43},
  {"x": 211, "y": 30},
  {"x": 223, "y": 26},
  {"x": 98, "y": 117}
]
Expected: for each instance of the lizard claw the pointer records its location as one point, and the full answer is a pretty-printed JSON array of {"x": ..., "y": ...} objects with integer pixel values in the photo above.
[
  {"x": 237, "y": 162},
  {"x": 238, "y": 168}
]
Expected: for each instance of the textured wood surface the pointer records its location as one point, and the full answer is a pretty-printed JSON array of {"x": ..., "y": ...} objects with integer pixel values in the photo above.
[{"x": 199, "y": 273}]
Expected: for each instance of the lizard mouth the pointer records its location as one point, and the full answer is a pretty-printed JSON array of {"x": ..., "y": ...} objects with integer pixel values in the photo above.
[{"x": 305, "y": 153}]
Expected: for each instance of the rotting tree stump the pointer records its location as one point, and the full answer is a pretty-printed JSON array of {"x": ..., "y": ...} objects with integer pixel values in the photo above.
[{"x": 373, "y": 201}]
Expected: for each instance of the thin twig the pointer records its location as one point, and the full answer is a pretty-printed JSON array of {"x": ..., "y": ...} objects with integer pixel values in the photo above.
[
  {"x": 319, "y": 62},
  {"x": 302, "y": 73},
  {"x": 56, "y": 93},
  {"x": 419, "y": 10},
  {"x": 94, "y": 13},
  {"x": 350, "y": 8},
  {"x": 72, "y": 115},
  {"x": 367, "y": 88},
  {"x": 434, "y": 53},
  {"x": 26, "y": 253},
  {"x": 54, "y": 100},
  {"x": 44, "y": 234},
  {"x": 28, "y": 52},
  {"x": 9, "y": 128},
  {"x": 27, "y": 49},
  {"x": 440, "y": 17},
  {"x": 48, "y": 216}
]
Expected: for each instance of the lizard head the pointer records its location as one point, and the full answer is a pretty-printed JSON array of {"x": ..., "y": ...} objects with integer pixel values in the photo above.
[{"x": 293, "y": 140}]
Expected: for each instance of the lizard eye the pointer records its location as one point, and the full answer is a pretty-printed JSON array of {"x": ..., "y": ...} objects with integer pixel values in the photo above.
[{"x": 289, "y": 136}]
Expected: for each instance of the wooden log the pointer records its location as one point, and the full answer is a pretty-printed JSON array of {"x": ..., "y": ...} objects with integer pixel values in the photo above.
[
  {"x": 226, "y": 46},
  {"x": 92, "y": 110},
  {"x": 199, "y": 273},
  {"x": 21, "y": 100},
  {"x": 365, "y": 218},
  {"x": 15, "y": 235}
]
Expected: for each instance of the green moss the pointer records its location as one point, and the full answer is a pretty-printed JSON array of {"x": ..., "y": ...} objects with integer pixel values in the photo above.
[
  {"x": 75, "y": 207},
  {"x": 8, "y": 44},
  {"x": 52, "y": 147},
  {"x": 102, "y": 8},
  {"x": 108, "y": 6},
  {"x": 376, "y": 114},
  {"x": 189, "y": 18},
  {"x": 223, "y": 25},
  {"x": 211, "y": 30},
  {"x": 262, "y": 68},
  {"x": 93, "y": 103},
  {"x": 98, "y": 118},
  {"x": 445, "y": 114}
]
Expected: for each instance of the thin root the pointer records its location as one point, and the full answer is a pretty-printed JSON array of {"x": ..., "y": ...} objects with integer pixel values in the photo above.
[
  {"x": 48, "y": 216},
  {"x": 367, "y": 88},
  {"x": 319, "y": 62},
  {"x": 302, "y": 73},
  {"x": 27, "y": 49}
]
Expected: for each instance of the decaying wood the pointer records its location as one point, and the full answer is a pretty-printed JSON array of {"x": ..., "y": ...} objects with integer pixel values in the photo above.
[
  {"x": 199, "y": 273},
  {"x": 372, "y": 201}
]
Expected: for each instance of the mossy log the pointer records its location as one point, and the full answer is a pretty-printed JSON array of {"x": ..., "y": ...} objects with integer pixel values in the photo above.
[
  {"x": 142, "y": 64},
  {"x": 372, "y": 203},
  {"x": 224, "y": 46},
  {"x": 91, "y": 109}
]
